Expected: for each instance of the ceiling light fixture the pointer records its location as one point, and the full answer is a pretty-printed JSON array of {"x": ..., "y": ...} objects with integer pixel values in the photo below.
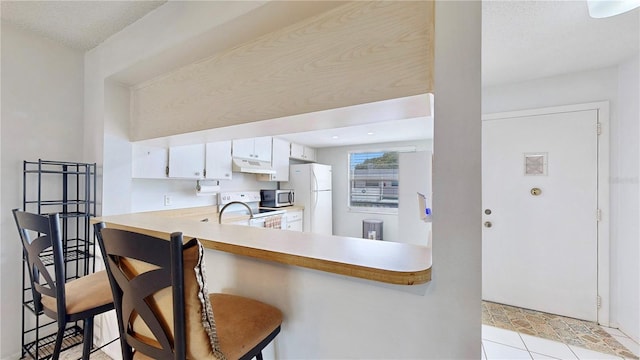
[
  {"x": 605, "y": 8},
  {"x": 370, "y": 133},
  {"x": 334, "y": 137}
]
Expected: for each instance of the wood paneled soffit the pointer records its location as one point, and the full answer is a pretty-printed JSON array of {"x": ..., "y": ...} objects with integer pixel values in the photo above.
[{"x": 356, "y": 53}]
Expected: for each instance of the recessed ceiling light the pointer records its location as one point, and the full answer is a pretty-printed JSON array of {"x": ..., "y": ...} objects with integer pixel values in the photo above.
[
  {"x": 370, "y": 133},
  {"x": 334, "y": 137}
]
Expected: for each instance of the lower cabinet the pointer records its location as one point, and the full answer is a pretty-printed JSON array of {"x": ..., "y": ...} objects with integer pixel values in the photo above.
[{"x": 294, "y": 220}]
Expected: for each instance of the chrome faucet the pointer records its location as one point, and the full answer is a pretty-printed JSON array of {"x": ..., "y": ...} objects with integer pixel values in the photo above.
[{"x": 234, "y": 202}]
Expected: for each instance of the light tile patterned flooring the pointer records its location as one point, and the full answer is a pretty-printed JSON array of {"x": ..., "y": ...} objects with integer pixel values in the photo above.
[
  {"x": 514, "y": 333},
  {"x": 73, "y": 353}
]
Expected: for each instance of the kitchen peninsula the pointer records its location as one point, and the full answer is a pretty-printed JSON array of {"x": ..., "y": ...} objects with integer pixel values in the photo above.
[
  {"x": 332, "y": 290},
  {"x": 387, "y": 262}
]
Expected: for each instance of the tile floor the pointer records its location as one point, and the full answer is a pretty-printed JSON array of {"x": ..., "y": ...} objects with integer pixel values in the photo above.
[
  {"x": 499, "y": 343},
  {"x": 514, "y": 333}
]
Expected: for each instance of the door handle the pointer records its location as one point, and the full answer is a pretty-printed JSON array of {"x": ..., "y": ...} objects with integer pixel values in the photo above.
[{"x": 488, "y": 224}]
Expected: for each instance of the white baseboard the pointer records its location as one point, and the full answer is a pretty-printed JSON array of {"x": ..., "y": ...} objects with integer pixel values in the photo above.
[{"x": 13, "y": 357}]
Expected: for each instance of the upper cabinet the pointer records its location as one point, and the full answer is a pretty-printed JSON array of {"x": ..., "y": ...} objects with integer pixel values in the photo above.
[
  {"x": 149, "y": 162},
  {"x": 187, "y": 161},
  {"x": 253, "y": 149},
  {"x": 218, "y": 160},
  {"x": 301, "y": 152},
  {"x": 279, "y": 162}
]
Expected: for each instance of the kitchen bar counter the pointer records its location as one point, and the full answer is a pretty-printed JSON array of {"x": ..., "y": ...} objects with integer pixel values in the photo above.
[{"x": 388, "y": 262}]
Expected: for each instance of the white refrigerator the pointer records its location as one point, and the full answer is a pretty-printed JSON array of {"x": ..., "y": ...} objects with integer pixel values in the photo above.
[{"x": 312, "y": 186}]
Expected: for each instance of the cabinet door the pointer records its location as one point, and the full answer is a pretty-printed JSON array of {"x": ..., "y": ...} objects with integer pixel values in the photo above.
[
  {"x": 297, "y": 151},
  {"x": 218, "y": 160},
  {"x": 302, "y": 152},
  {"x": 294, "y": 220},
  {"x": 186, "y": 161},
  {"x": 262, "y": 148},
  {"x": 243, "y": 148},
  {"x": 148, "y": 162},
  {"x": 295, "y": 226},
  {"x": 280, "y": 160},
  {"x": 309, "y": 154}
]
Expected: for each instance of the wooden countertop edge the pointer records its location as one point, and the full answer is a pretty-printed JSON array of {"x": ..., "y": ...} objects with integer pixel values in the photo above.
[{"x": 385, "y": 276}]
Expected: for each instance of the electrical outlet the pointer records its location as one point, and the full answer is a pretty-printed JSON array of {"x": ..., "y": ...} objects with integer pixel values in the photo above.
[{"x": 167, "y": 200}]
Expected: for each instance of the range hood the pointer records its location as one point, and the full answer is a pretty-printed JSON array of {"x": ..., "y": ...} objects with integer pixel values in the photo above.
[{"x": 252, "y": 166}]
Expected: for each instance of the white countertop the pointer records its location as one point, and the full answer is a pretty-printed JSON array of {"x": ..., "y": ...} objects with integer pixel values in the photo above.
[{"x": 390, "y": 262}]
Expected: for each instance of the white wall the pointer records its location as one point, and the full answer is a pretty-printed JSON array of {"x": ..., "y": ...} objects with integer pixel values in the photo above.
[
  {"x": 167, "y": 27},
  {"x": 452, "y": 299},
  {"x": 42, "y": 104},
  {"x": 148, "y": 194},
  {"x": 619, "y": 85},
  {"x": 565, "y": 89},
  {"x": 118, "y": 158},
  {"x": 415, "y": 177},
  {"x": 345, "y": 221},
  {"x": 625, "y": 210}
]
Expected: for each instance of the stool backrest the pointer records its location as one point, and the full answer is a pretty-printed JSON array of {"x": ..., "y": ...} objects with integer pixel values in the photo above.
[
  {"x": 42, "y": 247},
  {"x": 160, "y": 295},
  {"x": 123, "y": 252}
]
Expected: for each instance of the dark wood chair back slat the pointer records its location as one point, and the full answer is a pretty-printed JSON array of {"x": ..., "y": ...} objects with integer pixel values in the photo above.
[
  {"x": 133, "y": 292},
  {"x": 41, "y": 239},
  {"x": 38, "y": 234}
]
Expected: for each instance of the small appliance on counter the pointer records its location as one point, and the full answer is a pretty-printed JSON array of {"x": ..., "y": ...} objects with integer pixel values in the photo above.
[{"x": 276, "y": 198}]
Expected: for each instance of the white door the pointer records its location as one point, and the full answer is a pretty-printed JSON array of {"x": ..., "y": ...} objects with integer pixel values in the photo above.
[
  {"x": 320, "y": 219},
  {"x": 539, "y": 183},
  {"x": 321, "y": 177}
]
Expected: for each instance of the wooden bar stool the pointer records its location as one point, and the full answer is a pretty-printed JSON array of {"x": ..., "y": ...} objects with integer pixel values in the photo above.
[
  {"x": 79, "y": 299},
  {"x": 164, "y": 309}
]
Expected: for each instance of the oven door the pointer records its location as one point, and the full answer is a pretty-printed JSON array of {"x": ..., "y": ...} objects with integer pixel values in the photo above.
[{"x": 257, "y": 222}]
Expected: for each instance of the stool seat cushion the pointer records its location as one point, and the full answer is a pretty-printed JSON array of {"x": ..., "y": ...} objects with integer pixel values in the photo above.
[
  {"x": 242, "y": 322},
  {"x": 77, "y": 301}
]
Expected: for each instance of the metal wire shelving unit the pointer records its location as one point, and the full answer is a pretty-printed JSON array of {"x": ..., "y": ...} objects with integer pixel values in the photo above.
[{"x": 67, "y": 188}]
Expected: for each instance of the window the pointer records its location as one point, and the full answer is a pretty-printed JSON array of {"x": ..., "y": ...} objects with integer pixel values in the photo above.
[{"x": 373, "y": 179}]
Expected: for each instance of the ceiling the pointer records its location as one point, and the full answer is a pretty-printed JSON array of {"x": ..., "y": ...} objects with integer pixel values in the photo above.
[
  {"x": 521, "y": 40},
  {"x": 81, "y": 25},
  {"x": 524, "y": 40}
]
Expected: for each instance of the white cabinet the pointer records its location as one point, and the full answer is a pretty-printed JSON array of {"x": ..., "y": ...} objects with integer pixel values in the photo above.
[
  {"x": 279, "y": 161},
  {"x": 302, "y": 152},
  {"x": 148, "y": 162},
  {"x": 253, "y": 149},
  {"x": 218, "y": 160},
  {"x": 187, "y": 161},
  {"x": 262, "y": 148},
  {"x": 294, "y": 220}
]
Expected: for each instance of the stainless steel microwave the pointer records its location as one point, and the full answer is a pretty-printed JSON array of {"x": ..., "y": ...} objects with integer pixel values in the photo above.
[{"x": 276, "y": 198}]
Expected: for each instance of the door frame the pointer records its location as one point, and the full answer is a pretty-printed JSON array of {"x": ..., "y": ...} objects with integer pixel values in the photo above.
[{"x": 602, "y": 108}]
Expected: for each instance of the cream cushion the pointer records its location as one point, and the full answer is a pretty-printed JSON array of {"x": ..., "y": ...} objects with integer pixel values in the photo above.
[{"x": 77, "y": 301}]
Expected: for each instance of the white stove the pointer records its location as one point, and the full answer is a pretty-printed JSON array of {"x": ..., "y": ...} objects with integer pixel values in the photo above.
[{"x": 262, "y": 217}]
